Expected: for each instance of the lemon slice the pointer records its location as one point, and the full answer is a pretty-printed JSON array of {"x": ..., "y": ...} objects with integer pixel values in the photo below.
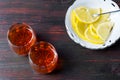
[
  {"x": 91, "y": 38},
  {"x": 104, "y": 30},
  {"x": 93, "y": 31},
  {"x": 78, "y": 27},
  {"x": 80, "y": 30},
  {"x": 85, "y": 14}
]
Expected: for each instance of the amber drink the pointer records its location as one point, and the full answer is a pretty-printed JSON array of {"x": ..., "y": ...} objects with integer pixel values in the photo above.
[
  {"x": 20, "y": 38},
  {"x": 43, "y": 57}
]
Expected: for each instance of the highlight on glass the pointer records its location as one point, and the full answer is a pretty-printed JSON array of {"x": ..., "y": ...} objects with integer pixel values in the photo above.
[
  {"x": 21, "y": 37},
  {"x": 43, "y": 57}
]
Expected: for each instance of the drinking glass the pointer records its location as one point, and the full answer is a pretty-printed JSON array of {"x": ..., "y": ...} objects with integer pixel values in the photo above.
[
  {"x": 43, "y": 57},
  {"x": 21, "y": 37}
]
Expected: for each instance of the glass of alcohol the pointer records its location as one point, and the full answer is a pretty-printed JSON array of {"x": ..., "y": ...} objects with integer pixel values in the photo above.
[
  {"x": 43, "y": 57},
  {"x": 21, "y": 37}
]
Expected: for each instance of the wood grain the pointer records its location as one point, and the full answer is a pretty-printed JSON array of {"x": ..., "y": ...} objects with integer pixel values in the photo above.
[{"x": 46, "y": 17}]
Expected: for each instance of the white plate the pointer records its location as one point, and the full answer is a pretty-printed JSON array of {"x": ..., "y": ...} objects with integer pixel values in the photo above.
[{"x": 107, "y": 5}]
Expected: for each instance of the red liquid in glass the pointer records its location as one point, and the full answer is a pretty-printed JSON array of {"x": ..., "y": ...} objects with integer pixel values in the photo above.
[
  {"x": 21, "y": 37},
  {"x": 43, "y": 57}
]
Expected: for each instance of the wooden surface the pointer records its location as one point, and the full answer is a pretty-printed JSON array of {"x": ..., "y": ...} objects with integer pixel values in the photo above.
[{"x": 46, "y": 17}]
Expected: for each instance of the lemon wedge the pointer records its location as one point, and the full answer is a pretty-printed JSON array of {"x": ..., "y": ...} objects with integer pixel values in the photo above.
[
  {"x": 85, "y": 14},
  {"x": 91, "y": 38},
  {"x": 104, "y": 30}
]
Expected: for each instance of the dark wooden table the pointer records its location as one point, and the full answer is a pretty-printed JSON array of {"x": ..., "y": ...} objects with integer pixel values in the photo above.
[{"x": 46, "y": 17}]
